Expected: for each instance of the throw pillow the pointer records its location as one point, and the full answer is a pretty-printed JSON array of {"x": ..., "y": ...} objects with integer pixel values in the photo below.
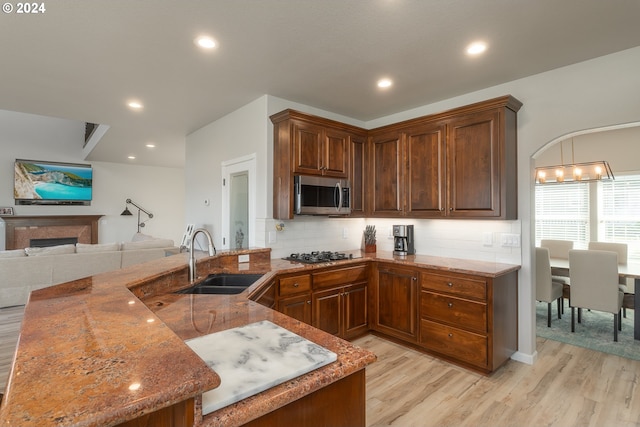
[
  {"x": 14, "y": 253},
  {"x": 101, "y": 247},
  {"x": 147, "y": 244},
  {"x": 51, "y": 250},
  {"x": 138, "y": 237}
]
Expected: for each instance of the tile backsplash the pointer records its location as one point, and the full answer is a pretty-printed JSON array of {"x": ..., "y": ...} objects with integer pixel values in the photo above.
[{"x": 497, "y": 241}]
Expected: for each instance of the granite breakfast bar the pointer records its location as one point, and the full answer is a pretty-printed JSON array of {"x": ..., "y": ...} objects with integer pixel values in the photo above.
[
  {"x": 110, "y": 350},
  {"x": 113, "y": 349}
]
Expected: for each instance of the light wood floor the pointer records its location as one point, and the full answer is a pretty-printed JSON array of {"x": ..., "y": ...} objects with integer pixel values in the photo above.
[{"x": 567, "y": 386}]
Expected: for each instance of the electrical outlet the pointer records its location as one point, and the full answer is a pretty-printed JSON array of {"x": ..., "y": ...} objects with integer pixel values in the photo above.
[
  {"x": 509, "y": 240},
  {"x": 345, "y": 233},
  {"x": 272, "y": 237}
]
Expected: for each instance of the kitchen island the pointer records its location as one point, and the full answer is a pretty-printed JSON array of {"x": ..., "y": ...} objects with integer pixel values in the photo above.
[
  {"x": 110, "y": 349},
  {"x": 91, "y": 353}
]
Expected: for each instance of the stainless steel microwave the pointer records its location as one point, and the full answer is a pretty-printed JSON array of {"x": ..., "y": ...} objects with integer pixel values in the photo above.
[{"x": 317, "y": 195}]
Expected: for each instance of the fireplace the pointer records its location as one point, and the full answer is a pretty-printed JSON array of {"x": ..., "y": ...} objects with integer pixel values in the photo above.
[
  {"x": 52, "y": 241},
  {"x": 21, "y": 230}
]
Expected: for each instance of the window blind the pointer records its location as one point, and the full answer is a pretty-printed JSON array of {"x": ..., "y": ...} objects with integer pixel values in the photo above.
[
  {"x": 619, "y": 213},
  {"x": 562, "y": 213}
]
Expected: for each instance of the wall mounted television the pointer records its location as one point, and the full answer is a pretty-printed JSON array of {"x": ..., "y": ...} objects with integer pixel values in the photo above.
[{"x": 52, "y": 183}]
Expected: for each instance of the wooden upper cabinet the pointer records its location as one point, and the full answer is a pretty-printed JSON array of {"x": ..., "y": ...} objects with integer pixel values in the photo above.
[
  {"x": 457, "y": 164},
  {"x": 426, "y": 179},
  {"x": 308, "y": 145},
  {"x": 460, "y": 163},
  {"x": 319, "y": 150},
  {"x": 387, "y": 175},
  {"x": 474, "y": 153},
  {"x": 357, "y": 177}
]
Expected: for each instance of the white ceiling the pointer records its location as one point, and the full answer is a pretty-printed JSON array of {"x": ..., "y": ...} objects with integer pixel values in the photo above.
[{"x": 83, "y": 60}]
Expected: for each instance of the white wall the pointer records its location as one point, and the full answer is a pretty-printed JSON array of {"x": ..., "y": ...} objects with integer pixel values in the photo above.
[
  {"x": 238, "y": 134},
  {"x": 158, "y": 190},
  {"x": 619, "y": 147}
]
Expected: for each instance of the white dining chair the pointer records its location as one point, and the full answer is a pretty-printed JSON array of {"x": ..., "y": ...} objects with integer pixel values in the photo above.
[
  {"x": 559, "y": 249},
  {"x": 594, "y": 284},
  {"x": 622, "y": 250},
  {"x": 547, "y": 290}
]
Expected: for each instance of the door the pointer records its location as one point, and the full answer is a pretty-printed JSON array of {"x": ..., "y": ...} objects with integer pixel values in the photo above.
[
  {"x": 238, "y": 209},
  {"x": 238, "y": 202}
]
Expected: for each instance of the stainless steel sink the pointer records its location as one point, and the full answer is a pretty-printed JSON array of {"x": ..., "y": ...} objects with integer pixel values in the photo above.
[{"x": 222, "y": 284}]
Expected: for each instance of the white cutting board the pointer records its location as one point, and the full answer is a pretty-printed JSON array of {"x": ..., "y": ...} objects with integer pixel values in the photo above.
[{"x": 253, "y": 358}]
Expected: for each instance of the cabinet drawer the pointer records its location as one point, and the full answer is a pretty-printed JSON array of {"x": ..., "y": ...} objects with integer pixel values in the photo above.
[
  {"x": 339, "y": 277},
  {"x": 295, "y": 284},
  {"x": 454, "y": 311},
  {"x": 461, "y": 286},
  {"x": 462, "y": 345}
]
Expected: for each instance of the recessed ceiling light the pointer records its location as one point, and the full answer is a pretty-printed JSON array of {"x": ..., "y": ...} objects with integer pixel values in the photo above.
[
  {"x": 131, "y": 157},
  {"x": 205, "y": 42},
  {"x": 384, "y": 83},
  {"x": 150, "y": 145},
  {"x": 476, "y": 48},
  {"x": 135, "y": 105}
]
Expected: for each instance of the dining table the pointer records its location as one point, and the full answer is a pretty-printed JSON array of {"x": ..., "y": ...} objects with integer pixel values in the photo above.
[{"x": 631, "y": 270}]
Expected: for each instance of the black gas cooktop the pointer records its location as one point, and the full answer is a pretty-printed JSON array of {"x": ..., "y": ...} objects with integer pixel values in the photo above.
[{"x": 318, "y": 257}]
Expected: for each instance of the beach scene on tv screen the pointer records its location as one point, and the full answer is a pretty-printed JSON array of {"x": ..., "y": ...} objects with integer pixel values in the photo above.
[{"x": 47, "y": 181}]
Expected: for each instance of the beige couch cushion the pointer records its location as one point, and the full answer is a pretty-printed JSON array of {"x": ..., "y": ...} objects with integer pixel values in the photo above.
[
  {"x": 70, "y": 267},
  {"x": 143, "y": 255},
  {"x": 101, "y": 247},
  {"x": 15, "y": 253},
  {"x": 19, "y": 276},
  {"x": 51, "y": 250},
  {"x": 147, "y": 244}
]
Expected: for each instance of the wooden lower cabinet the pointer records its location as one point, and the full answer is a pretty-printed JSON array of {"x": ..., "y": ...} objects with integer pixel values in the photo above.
[
  {"x": 266, "y": 295},
  {"x": 298, "y": 307},
  {"x": 179, "y": 415},
  {"x": 394, "y": 302},
  {"x": 469, "y": 319},
  {"x": 341, "y": 311},
  {"x": 457, "y": 343},
  {"x": 340, "y": 404},
  {"x": 294, "y": 297}
]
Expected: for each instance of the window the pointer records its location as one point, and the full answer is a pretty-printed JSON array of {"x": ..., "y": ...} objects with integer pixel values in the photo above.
[
  {"x": 562, "y": 213},
  {"x": 619, "y": 213},
  {"x": 609, "y": 213}
]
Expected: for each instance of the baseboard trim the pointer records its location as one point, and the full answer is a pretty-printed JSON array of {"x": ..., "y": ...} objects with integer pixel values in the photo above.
[{"x": 529, "y": 359}]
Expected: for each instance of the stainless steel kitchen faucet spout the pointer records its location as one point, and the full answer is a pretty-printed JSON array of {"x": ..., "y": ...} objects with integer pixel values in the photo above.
[{"x": 192, "y": 257}]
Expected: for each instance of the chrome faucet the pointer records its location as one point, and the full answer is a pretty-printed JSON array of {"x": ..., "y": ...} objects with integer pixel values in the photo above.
[{"x": 192, "y": 257}]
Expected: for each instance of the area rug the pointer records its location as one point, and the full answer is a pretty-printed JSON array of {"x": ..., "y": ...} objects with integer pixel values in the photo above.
[{"x": 595, "y": 332}]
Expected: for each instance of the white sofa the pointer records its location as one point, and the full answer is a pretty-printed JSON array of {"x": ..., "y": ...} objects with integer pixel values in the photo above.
[{"x": 22, "y": 271}]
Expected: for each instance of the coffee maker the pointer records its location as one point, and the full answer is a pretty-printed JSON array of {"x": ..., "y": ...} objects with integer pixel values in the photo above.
[{"x": 403, "y": 240}]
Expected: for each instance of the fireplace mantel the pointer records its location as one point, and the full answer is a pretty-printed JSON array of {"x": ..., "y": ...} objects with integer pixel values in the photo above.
[{"x": 84, "y": 226}]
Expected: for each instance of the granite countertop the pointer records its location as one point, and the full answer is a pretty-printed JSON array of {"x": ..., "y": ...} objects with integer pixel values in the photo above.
[{"x": 109, "y": 348}]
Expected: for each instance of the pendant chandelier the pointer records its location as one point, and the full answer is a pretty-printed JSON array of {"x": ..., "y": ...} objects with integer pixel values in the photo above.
[{"x": 574, "y": 172}]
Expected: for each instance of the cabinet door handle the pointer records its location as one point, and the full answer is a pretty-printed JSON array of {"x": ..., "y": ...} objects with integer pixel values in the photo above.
[
  {"x": 414, "y": 278},
  {"x": 450, "y": 209},
  {"x": 450, "y": 304},
  {"x": 295, "y": 285},
  {"x": 450, "y": 335},
  {"x": 450, "y": 285},
  {"x": 309, "y": 302}
]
